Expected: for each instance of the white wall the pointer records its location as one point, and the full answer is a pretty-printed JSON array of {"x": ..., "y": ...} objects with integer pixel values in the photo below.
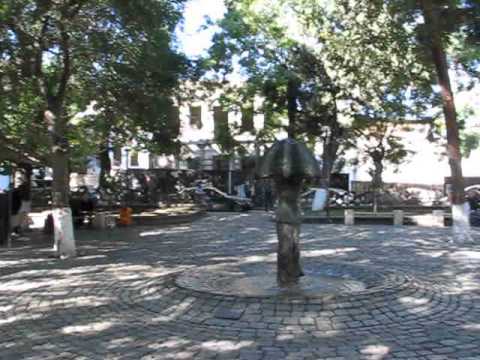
[
  {"x": 426, "y": 166},
  {"x": 190, "y": 133}
]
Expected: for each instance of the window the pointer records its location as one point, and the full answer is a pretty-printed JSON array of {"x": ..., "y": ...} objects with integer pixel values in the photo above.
[
  {"x": 134, "y": 158},
  {"x": 220, "y": 119},
  {"x": 247, "y": 119},
  {"x": 196, "y": 116},
  {"x": 117, "y": 155}
]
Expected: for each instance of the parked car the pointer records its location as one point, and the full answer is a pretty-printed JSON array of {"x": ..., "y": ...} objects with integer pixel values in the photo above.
[
  {"x": 473, "y": 196},
  {"x": 384, "y": 198},
  {"x": 215, "y": 199},
  {"x": 336, "y": 197}
]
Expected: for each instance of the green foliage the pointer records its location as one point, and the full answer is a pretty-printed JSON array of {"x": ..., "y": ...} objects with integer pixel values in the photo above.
[
  {"x": 222, "y": 131},
  {"x": 340, "y": 60},
  {"x": 469, "y": 137},
  {"x": 64, "y": 57},
  {"x": 382, "y": 145},
  {"x": 287, "y": 76},
  {"x": 470, "y": 142},
  {"x": 324, "y": 65}
]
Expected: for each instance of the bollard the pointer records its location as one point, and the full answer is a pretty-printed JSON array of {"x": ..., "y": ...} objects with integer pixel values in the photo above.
[
  {"x": 100, "y": 221},
  {"x": 125, "y": 216},
  {"x": 397, "y": 217},
  {"x": 438, "y": 218},
  {"x": 349, "y": 217}
]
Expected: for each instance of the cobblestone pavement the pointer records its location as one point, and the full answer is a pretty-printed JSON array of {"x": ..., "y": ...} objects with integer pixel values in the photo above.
[{"x": 120, "y": 300}]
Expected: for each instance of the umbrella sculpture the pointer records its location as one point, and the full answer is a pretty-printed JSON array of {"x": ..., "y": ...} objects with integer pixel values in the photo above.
[{"x": 288, "y": 163}]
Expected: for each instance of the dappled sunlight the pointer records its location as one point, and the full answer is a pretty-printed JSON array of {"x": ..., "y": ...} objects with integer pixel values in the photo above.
[
  {"x": 122, "y": 341},
  {"x": 174, "y": 342},
  {"x": 231, "y": 217},
  {"x": 270, "y": 239},
  {"x": 85, "y": 300},
  {"x": 12, "y": 320},
  {"x": 81, "y": 270},
  {"x": 375, "y": 352},
  {"x": 21, "y": 286},
  {"x": 126, "y": 299},
  {"x": 408, "y": 300},
  {"x": 94, "y": 257},
  {"x": 157, "y": 232},
  {"x": 159, "y": 319},
  {"x": 466, "y": 255},
  {"x": 125, "y": 267},
  {"x": 327, "y": 252},
  {"x": 5, "y": 263},
  {"x": 226, "y": 258},
  {"x": 90, "y": 328},
  {"x": 467, "y": 283},
  {"x": 432, "y": 254},
  {"x": 322, "y": 335},
  {"x": 257, "y": 259},
  {"x": 251, "y": 229},
  {"x": 225, "y": 345},
  {"x": 471, "y": 327}
]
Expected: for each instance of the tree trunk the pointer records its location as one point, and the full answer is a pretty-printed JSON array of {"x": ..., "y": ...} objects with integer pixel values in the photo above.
[
  {"x": 105, "y": 166},
  {"x": 62, "y": 214},
  {"x": 439, "y": 57},
  {"x": 28, "y": 182},
  {"x": 377, "y": 182},
  {"x": 288, "y": 231},
  {"x": 329, "y": 155},
  {"x": 292, "y": 93}
]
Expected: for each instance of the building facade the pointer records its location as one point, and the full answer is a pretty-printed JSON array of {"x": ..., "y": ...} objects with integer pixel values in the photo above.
[{"x": 201, "y": 124}]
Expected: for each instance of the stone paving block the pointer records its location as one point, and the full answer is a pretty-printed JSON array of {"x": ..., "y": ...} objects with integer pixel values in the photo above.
[
  {"x": 229, "y": 313},
  {"x": 131, "y": 294}
]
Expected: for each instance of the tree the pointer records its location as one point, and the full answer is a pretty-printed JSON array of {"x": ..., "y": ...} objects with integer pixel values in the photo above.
[
  {"x": 431, "y": 13},
  {"x": 443, "y": 22},
  {"x": 319, "y": 66},
  {"x": 382, "y": 145},
  {"x": 406, "y": 42},
  {"x": 55, "y": 55},
  {"x": 289, "y": 78}
]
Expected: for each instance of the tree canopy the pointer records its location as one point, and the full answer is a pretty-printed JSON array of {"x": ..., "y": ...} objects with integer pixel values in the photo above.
[
  {"x": 118, "y": 57},
  {"x": 321, "y": 66},
  {"x": 60, "y": 58}
]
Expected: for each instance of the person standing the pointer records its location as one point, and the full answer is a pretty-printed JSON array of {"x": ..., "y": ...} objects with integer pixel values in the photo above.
[{"x": 268, "y": 195}]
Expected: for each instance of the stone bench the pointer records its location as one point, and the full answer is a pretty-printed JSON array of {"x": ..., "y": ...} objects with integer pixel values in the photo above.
[{"x": 436, "y": 219}]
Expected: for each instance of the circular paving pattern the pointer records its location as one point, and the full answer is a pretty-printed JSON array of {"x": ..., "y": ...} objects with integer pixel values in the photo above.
[
  {"x": 396, "y": 300},
  {"x": 259, "y": 280},
  {"x": 173, "y": 308}
]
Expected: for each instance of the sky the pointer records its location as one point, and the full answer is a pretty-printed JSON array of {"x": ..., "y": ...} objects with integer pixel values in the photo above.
[{"x": 193, "y": 40}]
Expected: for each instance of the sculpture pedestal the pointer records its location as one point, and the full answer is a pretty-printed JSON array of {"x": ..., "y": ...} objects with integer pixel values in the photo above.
[
  {"x": 288, "y": 231},
  {"x": 288, "y": 254}
]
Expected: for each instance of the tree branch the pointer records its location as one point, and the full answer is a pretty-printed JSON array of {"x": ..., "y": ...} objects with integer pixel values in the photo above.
[
  {"x": 17, "y": 156},
  {"x": 403, "y": 121},
  {"x": 65, "y": 46},
  {"x": 39, "y": 78}
]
